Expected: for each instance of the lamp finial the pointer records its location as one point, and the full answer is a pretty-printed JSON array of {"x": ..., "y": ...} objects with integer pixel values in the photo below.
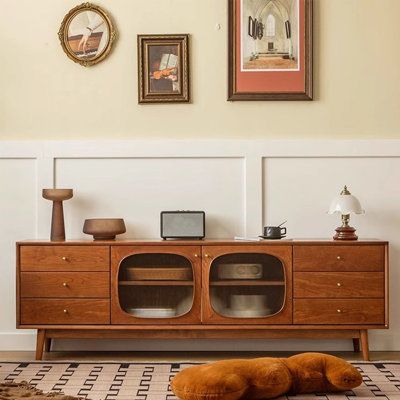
[{"x": 345, "y": 191}]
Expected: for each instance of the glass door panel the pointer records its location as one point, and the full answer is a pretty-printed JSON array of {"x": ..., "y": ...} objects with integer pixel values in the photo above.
[
  {"x": 247, "y": 285},
  {"x": 156, "y": 285}
]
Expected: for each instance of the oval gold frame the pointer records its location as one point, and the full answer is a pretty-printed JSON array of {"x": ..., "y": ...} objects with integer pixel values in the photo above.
[{"x": 63, "y": 33}]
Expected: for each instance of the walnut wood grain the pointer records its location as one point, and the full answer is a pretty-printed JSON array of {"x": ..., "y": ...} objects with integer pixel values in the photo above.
[
  {"x": 191, "y": 253},
  {"x": 210, "y": 253},
  {"x": 40, "y": 341},
  {"x": 65, "y": 284},
  {"x": 64, "y": 258},
  {"x": 206, "y": 327},
  {"x": 338, "y": 311},
  {"x": 364, "y": 344},
  {"x": 339, "y": 285},
  {"x": 65, "y": 311},
  {"x": 362, "y": 267},
  {"x": 204, "y": 334},
  {"x": 339, "y": 258}
]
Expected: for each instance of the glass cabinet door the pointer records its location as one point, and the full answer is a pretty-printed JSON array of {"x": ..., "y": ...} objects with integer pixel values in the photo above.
[
  {"x": 248, "y": 284},
  {"x": 158, "y": 285}
]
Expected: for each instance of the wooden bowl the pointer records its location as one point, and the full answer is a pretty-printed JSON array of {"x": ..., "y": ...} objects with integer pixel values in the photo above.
[{"x": 104, "y": 228}]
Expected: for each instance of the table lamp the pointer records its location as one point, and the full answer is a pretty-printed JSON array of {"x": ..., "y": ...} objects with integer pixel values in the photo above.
[{"x": 345, "y": 204}]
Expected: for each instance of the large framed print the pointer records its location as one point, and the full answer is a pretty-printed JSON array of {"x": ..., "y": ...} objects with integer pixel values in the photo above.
[{"x": 270, "y": 50}]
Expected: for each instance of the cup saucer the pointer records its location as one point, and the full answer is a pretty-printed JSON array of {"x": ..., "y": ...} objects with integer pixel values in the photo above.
[{"x": 272, "y": 238}]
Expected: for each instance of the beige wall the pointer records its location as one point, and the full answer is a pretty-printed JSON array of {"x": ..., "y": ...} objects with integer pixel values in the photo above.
[{"x": 43, "y": 95}]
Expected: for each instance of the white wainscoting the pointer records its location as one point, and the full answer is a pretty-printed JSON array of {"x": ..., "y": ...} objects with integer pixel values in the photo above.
[{"x": 241, "y": 185}]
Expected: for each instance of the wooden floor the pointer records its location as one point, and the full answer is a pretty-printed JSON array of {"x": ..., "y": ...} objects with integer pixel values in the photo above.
[{"x": 174, "y": 356}]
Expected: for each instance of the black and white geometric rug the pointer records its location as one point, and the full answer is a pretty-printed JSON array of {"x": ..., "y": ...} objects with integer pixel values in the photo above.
[{"x": 150, "y": 381}]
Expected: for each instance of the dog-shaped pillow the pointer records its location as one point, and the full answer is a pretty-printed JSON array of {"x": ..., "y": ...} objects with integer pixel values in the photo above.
[{"x": 265, "y": 378}]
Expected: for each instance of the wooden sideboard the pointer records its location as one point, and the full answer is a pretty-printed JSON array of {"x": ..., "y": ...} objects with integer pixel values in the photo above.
[{"x": 202, "y": 289}]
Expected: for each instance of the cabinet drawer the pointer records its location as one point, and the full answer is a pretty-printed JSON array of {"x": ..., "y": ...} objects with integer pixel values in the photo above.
[
  {"x": 338, "y": 258},
  {"x": 339, "y": 312},
  {"x": 339, "y": 284},
  {"x": 65, "y": 284},
  {"x": 64, "y": 258},
  {"x": 64, "y": 312}
]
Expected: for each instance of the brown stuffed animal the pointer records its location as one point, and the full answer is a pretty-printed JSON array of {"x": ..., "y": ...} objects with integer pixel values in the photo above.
[{"x": 265, "y": 378}]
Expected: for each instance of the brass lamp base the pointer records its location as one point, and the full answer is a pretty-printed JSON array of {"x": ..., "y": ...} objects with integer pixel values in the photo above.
[{"x": 345, "y": 233}]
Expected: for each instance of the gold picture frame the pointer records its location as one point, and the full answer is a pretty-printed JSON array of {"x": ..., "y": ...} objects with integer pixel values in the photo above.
[
  {"x": 87, "y": 34},
  {"x": 163, "y": 69}
]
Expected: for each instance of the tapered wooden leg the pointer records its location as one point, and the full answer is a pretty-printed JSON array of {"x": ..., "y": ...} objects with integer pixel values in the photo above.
[
  {"x": 364, "y": 344},
  {"x": 356, "y": 345},
  {"x": 40, "y": 339},
  {"x": 47, "y": 345}
]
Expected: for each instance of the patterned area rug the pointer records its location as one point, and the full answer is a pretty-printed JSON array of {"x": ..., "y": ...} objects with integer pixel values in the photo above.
[{"x": 150, "y": 381}]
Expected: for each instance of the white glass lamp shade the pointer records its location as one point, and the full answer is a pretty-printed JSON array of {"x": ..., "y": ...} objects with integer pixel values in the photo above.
[{"x": 346, "y": 204}]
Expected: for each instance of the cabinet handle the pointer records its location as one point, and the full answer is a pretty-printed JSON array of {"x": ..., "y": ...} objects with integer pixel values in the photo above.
[
  {"x": 207, "y": 256},
  {"x": 339, "y": 311},
  {"x": 196, "y": 256},
  {"x": 339, "y": 258},
  {"x": 339, "y": 284},
  {"x": 64, "y": 258},
  {"x": 65, "y": 311},
  {"x": 65, "y": 284}
]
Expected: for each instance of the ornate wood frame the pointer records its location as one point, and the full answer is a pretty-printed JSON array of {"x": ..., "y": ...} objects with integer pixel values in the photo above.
[
  {"x": 143, "y": 42},
  {"x": 234, "y": 95},
  {"x": 63, "y": 33}
]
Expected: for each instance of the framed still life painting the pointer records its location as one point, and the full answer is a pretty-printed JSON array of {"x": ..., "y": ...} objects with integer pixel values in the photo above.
[
  {"x": 270, "y": 50},
  {"x": 163, "y": 68}
]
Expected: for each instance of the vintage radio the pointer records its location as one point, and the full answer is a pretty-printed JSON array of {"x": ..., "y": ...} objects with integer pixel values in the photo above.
[{"x": 183, "y": 224}]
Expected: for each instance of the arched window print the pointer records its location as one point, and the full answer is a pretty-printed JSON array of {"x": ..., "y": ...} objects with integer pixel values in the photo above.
[{"x": 270, "y": 28}]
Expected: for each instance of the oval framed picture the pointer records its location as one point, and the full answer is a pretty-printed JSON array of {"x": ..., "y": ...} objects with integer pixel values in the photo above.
[{"x": 87, "y": 34}]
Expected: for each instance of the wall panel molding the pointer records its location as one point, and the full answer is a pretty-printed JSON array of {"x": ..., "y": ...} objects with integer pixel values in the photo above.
[
  {"x": 199, "y": 148},
  {"x": 256, "y": 156}
]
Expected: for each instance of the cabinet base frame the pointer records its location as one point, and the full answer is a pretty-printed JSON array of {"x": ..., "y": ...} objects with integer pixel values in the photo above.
[{"x": 46, "y": 335}]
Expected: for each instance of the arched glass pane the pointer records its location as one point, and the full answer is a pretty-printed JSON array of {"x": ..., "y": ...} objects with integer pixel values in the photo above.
[
  {"x": 270, "y": 26},
  {"x": 156, "y": 285},
  {"x": 247, "y": 285}
]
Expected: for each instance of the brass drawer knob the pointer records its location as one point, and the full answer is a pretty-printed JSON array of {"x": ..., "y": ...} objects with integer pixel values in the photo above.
[
  {"x": 339, "y": 311},
  {"x": 196, "y": 256},
  {"x": 338, "y": 258},
  {"x": 65, "y": 284},
  {"x": 339, "y": 284},
  {"x": 64, "y": 258},
  {"x": 65, "y": 311},
  {"x": 207, "y": 256}
]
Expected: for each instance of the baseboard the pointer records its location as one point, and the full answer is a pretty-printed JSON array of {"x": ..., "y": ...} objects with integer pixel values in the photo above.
[{"x": 17, "y": 341}]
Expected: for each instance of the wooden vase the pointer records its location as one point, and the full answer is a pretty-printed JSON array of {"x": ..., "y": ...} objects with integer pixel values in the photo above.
[{"x": 57, "y": 219}]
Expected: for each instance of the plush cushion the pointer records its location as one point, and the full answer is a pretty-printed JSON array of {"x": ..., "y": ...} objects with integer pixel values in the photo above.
[{"x": 265, "y": 378}]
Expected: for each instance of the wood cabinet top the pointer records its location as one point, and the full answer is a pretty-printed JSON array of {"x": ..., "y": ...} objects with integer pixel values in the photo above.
[{"x": 204, "y": 242}]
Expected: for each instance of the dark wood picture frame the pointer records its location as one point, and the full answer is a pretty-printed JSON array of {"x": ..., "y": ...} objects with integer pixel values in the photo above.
[
  {"x": 235, "y": 95},
  {"x": 163, "y": 77}
]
